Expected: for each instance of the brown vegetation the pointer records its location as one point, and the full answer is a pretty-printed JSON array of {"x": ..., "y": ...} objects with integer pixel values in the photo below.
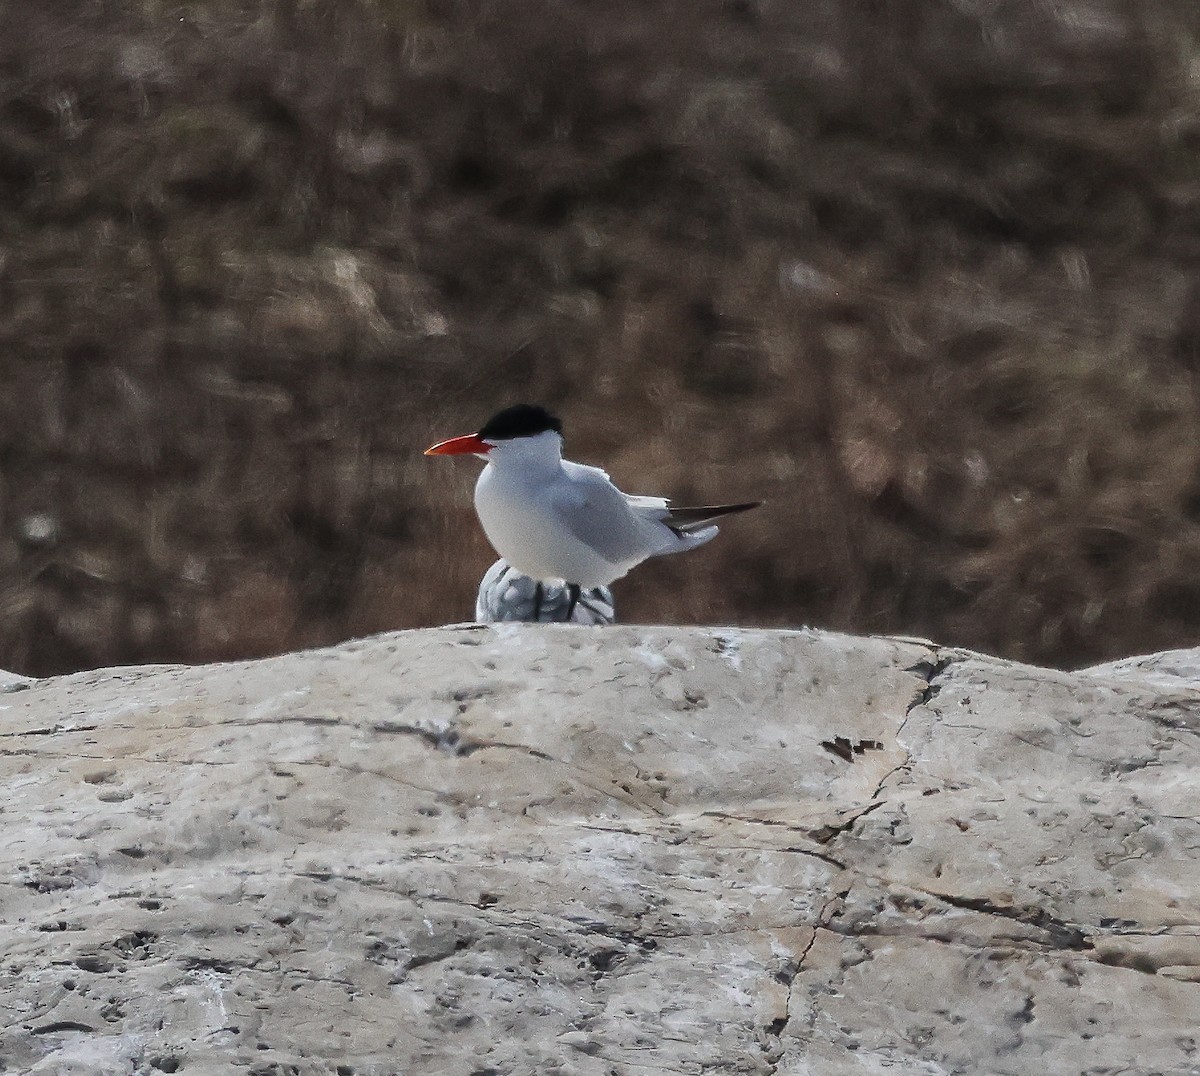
[{"x": 922, "y": 276}]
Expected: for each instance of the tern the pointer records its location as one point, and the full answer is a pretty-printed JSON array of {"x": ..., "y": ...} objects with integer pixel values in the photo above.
[{"x": 563, "y": 523}]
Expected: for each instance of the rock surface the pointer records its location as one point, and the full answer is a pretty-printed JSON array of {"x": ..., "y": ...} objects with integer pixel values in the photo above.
[{"x": 540, "y": 849}]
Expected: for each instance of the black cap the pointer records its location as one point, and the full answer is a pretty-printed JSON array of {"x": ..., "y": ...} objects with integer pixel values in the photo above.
[{"x": 521, "y": 420}]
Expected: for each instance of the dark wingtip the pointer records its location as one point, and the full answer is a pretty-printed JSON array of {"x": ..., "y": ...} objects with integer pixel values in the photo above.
[
  {"x": 729, "y": 509},
  {"x": 688, "y": 518}
]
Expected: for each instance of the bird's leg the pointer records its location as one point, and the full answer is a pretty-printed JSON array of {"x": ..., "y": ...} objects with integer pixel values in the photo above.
[
  {"x": 537, "y": 601},
  {"x": 573, "y": 591}
]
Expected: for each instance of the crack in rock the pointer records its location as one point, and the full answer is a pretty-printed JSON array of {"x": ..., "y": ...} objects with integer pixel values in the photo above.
[
  {"x": 930, "y": 669},
  {"x": 778, "y": 1026},
  {"x": 1063, "y": 935},
  {"x": 788, "y": 827},
  {"x": 288, "y": 719},
  {"x": 453, "y": 742},
  {"x": 61, "y": 1025},
  {"x": 52, "y": 730},
  {"x": 826, "y": 834}
]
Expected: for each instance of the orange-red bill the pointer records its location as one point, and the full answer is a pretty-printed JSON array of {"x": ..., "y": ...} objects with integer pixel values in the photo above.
[{"x": 469, "y": 444}]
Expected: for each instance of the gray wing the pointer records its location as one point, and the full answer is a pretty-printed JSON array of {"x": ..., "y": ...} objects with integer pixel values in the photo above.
[{"x": 618, "y": 527}]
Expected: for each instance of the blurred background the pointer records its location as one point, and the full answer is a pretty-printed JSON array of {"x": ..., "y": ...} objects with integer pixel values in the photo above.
[{"x": 924, "y": 277}]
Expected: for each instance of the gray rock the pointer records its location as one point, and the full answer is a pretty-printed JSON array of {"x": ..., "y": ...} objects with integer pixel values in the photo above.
[
  {"x": 528, "y": 849},
  {"x": 507, "y": 596}
]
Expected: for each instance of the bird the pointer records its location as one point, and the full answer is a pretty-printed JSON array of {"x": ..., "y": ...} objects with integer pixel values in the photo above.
[
  {"x": 507, "y": 595},
  {"x": 564, "y": 523}
]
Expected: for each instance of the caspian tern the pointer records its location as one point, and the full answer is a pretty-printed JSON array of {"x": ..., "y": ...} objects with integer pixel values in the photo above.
[{"x": 562, "y": 522}]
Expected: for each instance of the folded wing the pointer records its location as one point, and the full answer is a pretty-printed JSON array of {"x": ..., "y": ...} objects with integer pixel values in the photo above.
[
  {"x": 623, "y": 528},
  {"x": 616, "y": 527}
]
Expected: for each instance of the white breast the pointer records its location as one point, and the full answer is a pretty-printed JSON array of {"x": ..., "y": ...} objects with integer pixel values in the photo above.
[{"x": 520, "y": 519}]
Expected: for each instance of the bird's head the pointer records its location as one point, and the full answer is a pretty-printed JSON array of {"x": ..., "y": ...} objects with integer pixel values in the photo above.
[{"x": 524, "y": 431}]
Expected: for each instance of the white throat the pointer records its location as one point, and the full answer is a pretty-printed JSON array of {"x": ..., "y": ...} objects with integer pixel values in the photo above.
[{"x": 539, "y": 454}]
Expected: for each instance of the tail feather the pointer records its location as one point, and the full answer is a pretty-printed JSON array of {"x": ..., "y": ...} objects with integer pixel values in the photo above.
[{"x": 685, "y": 520}]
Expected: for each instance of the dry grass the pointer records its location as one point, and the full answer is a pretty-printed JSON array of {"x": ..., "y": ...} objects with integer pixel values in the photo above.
[{"x": 927, "y": 284}]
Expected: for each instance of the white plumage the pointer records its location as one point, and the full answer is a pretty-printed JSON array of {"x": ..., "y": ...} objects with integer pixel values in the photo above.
[{"x": 560, "y": 521}]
